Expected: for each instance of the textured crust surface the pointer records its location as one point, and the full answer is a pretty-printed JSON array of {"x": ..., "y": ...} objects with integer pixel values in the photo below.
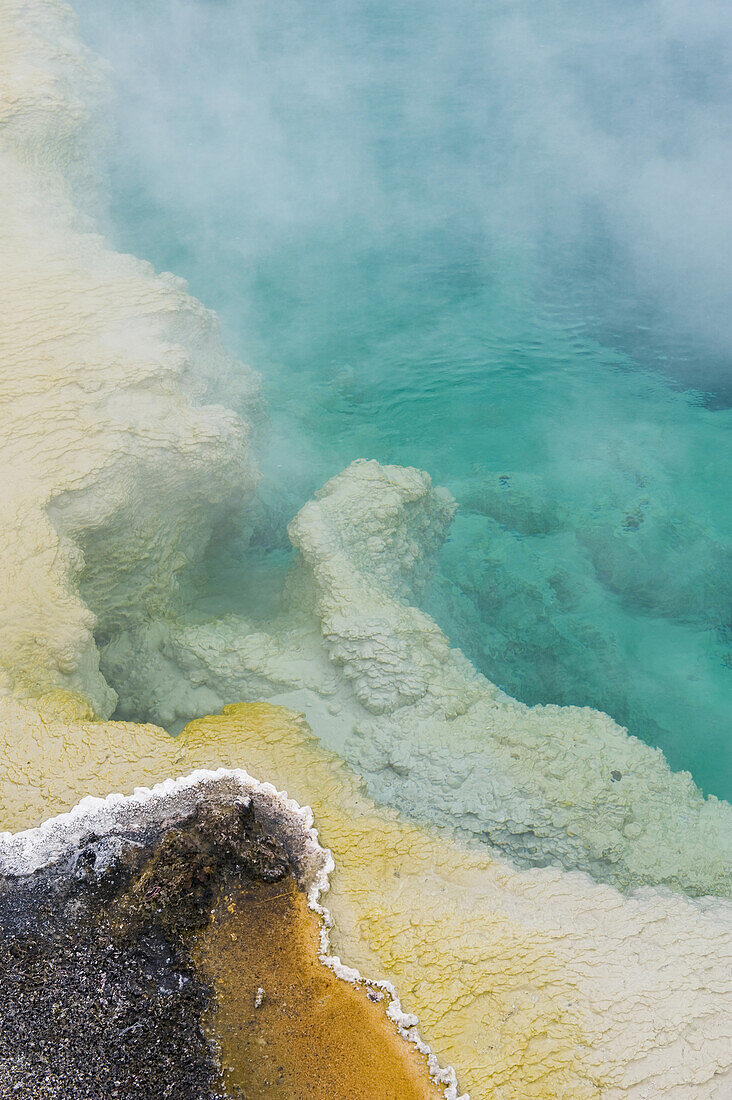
[
  {"x": 538, "y": 983},
  {"x": 379, "y": 681},
  {"x": 535, "y": 984},
  {"x": 104, "y": 370}
]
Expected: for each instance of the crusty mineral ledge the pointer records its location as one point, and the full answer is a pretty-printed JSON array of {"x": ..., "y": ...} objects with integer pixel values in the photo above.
[
  {"x": 120, "y": 463},
  {"x": 164, "y": 945},
  {"x": 108, "y": 380},
  {"x": 381, "y": 684},
  {"x": 535, "y": 985}
]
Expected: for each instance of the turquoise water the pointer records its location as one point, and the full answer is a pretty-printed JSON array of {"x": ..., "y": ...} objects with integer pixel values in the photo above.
[{"x": 445, "y": 240}]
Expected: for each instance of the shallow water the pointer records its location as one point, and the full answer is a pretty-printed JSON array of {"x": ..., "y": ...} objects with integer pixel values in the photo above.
[
  {"x": 349, "y": 1047},
  {"x": 459, "y": 240}
]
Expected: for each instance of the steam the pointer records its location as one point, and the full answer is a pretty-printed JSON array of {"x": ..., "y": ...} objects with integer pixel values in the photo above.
[
  {"x": 588, "y": 144},
  {"x": 443, "y": 232}
]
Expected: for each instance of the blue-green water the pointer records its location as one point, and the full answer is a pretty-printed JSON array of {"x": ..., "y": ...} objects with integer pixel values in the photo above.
[{"x": 482, "y": 242}]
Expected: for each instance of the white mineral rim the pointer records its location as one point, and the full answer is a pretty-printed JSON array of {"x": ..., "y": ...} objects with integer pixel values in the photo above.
[{"x": 29, "y": 851}]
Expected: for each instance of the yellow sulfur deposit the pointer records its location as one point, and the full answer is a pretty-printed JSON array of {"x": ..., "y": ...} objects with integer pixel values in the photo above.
[
  {"x": 535, "y": 985},
  {"x": 120, "y": 467}
]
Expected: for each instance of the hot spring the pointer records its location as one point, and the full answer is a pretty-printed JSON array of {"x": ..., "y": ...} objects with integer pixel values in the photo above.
[{"x": 491, "y": 243}]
